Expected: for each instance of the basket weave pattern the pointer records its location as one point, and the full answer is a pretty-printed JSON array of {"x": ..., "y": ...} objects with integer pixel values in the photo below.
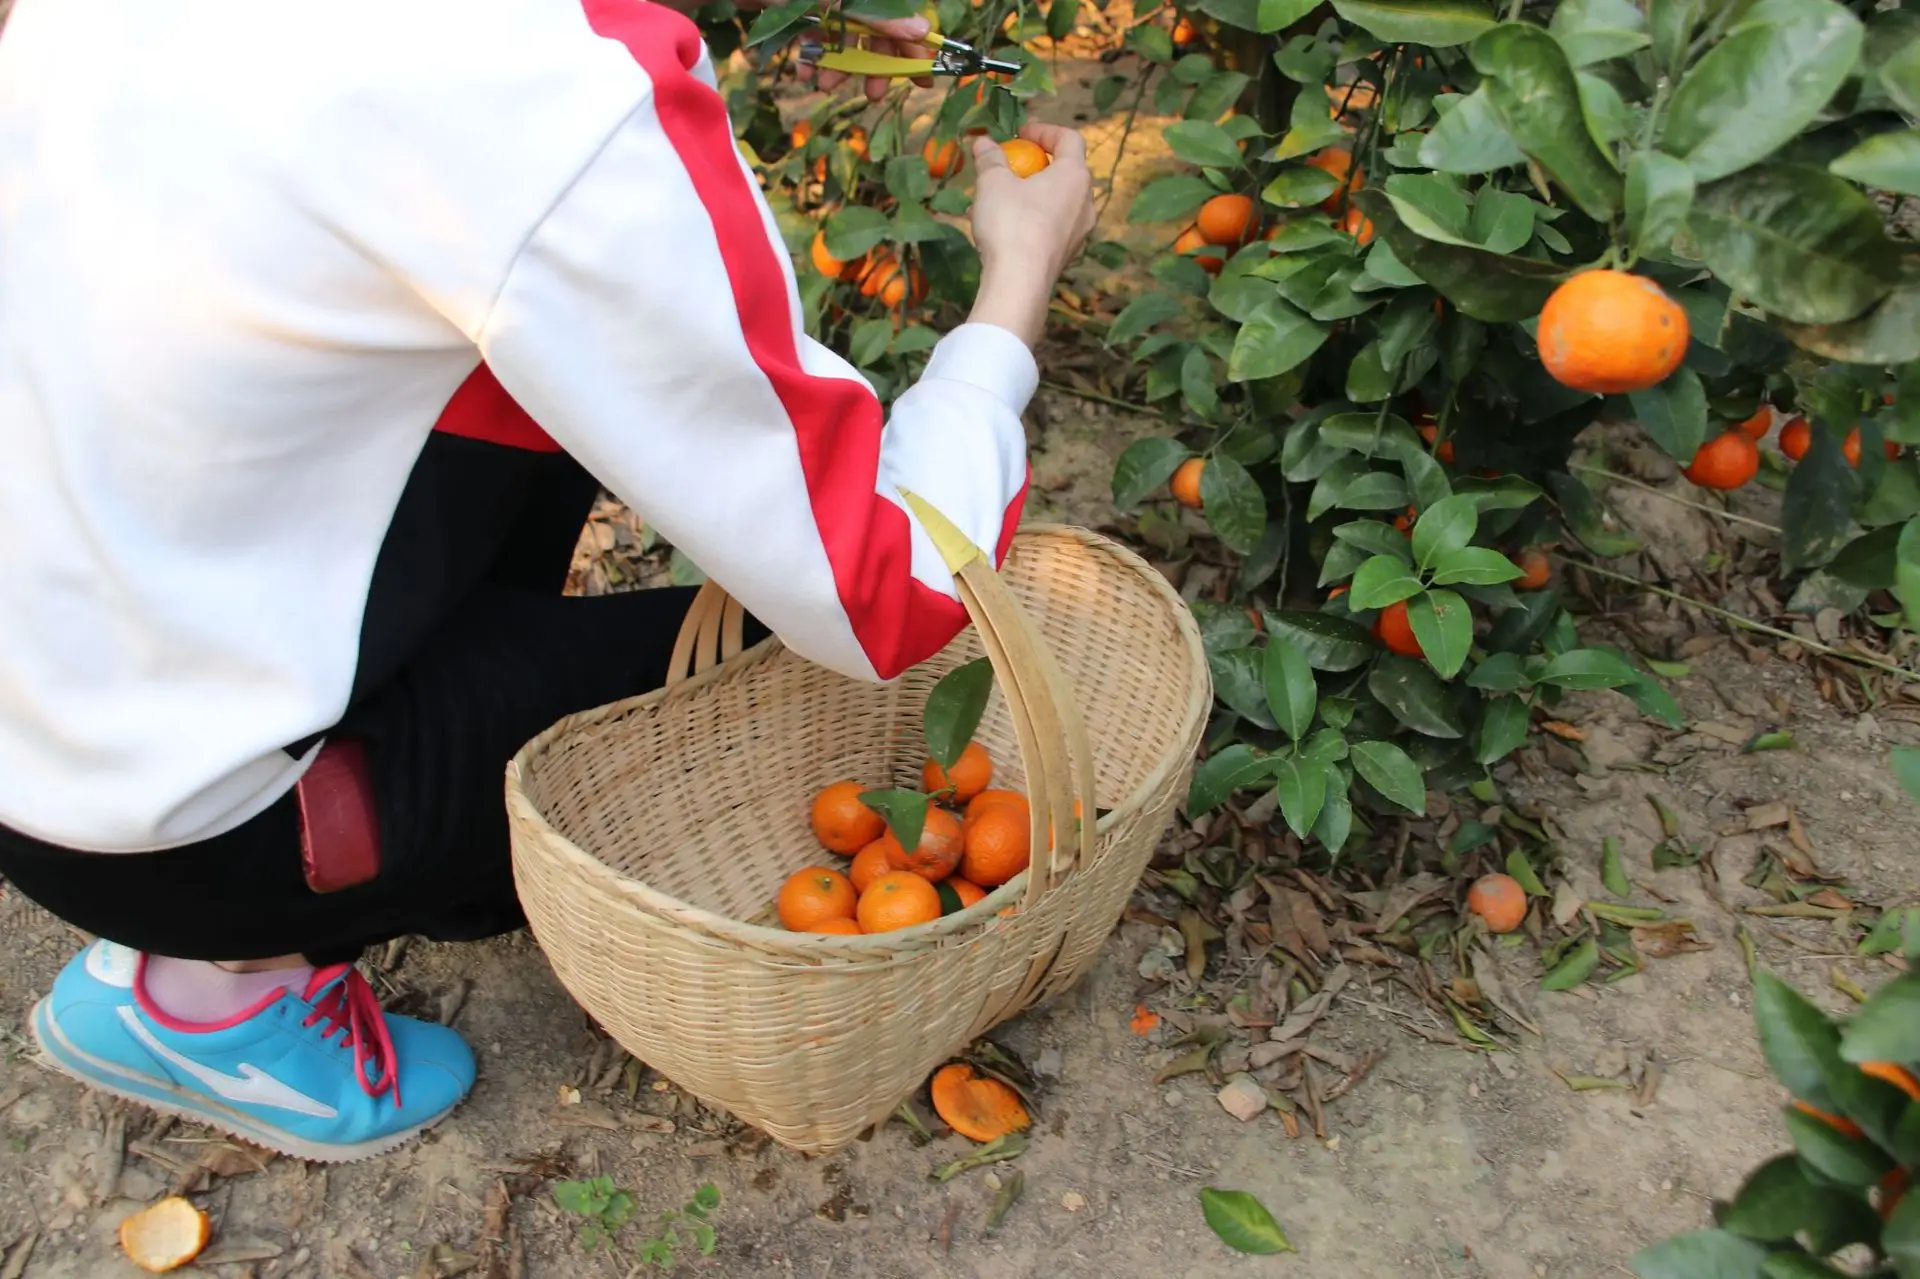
[{"x": 650, "y": 837}]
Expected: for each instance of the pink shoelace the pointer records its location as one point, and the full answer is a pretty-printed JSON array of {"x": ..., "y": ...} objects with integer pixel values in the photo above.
[{"x": 351, "y": 1006}]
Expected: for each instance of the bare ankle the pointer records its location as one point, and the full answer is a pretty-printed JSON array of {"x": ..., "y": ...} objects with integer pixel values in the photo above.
[{"x": 261, "y": 965}]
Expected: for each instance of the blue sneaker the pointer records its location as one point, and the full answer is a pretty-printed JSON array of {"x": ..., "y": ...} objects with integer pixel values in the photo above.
[{"x": 325, "y": 1075}]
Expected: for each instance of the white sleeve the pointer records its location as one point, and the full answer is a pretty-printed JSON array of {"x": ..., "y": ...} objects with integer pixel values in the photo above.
[{"x": 651, "y": 324}]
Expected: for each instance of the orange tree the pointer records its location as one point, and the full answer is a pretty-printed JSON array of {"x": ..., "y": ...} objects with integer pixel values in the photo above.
[{"x": 1442, "y": 243}]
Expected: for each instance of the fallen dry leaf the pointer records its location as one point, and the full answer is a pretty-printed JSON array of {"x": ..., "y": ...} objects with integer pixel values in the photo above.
[
  {"x": 1664, "y": 940},
  {"x": 1563, "y": 730}
]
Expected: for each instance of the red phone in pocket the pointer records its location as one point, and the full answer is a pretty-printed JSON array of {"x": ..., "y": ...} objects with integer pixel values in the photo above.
[{"x": 339, "y": 823}]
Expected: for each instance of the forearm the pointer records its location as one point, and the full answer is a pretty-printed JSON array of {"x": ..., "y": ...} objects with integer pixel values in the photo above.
[{"x": 1014, "y": 298}]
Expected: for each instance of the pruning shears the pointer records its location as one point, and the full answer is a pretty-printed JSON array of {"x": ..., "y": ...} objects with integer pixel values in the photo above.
[{"x": 951, "y": 57}]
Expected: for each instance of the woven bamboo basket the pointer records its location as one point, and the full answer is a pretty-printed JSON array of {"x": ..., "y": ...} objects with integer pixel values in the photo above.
[{"x": 650, "y": 836}]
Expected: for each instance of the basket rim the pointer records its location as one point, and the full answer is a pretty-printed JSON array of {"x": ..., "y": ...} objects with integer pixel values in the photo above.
[{"x": 982, "y": 917}]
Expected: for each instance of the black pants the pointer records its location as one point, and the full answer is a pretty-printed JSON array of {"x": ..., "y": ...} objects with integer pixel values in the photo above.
[{"x": 473, "y": 651}]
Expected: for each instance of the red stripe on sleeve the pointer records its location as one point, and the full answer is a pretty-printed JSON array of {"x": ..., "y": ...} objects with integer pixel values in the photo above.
[
  {"x": 898, "y": 620},
  {"x": 481, "y": 409}
]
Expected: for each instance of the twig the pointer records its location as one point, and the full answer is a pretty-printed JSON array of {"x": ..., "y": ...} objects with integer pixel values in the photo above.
[
  {"x": 1120, "y": 151},
  {"x": 1672, "y": 497},
  {"x": 1098, "y": 398},
  {"x": 1745, "y": 623}
]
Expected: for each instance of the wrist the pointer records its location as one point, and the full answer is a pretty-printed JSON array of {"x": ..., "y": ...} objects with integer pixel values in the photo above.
[{"x": 1013, "y": 299}]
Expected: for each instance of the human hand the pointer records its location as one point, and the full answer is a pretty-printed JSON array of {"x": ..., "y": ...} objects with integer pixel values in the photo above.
[
  {"x": 896, "y": 37},
  {"x": 1028, "y": 229}
]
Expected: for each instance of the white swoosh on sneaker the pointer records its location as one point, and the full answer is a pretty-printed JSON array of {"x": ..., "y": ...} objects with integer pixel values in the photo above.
[{"x": 252, "y": 1085}]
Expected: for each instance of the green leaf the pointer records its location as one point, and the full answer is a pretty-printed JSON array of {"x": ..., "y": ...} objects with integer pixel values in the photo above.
[
  {"x": 1414, "y": 695},
  {"x": 1659, "y": 193},
  {"x": 869, "y": 341},
  {"x": 1299, "y": 187},
  {"x": 1235, "y": 507},
  {"x": 1145, "y": 466},
  {"x": 1537, "y": 98},
  {"x": 1671, "y": 23},
  {"x": 1277, "y": 14},
  {"x": 1797, "y": 241},
  {"x": 1275, "y": 339},
  {"x": 1584, "y": 518},
  {"x": 1474, "y": 566},
  {"x": 1492, "y": 287},
  {"x": 1221, "y": 90},
  {"x": 1887, "y": 1027},
  {"x": 1196, "y": 383},
  {"x": 1900, "y": 77},
  {"x": 1443, "y": 624},
  {"x": 1329, "y": 643},
  {"x": 1851, "y": 1161},
  {"x": 1905, "y": 762},
  {"x": 1300, "y": 785},
  {"x": 1392, "y": 772},
  {"x": 1204, "y": 143},
  {"x": 905, "y": 812},
  {"x": 1901, "y": 1238},
  {"x": 853, "y": 230},
  {"x": 1502, "y": 221},
  {"x": 1375, "y": 536},
  {"x": 1336, "y": 816},
  {"x": 1152, "y": 42},
  {"x": 1612, "y": 873},
  {"x": 1889, "y": 161},
  {"x": 1374, "y": 491},
  {"x": 1292, "y": 693},
  {"x": 707, "y": 1197},
  {"x": 1579, "y": 965},
  {"x": 1141, "y": 314},
  {"x": 1219, "y": 775},
  {"x": 1242, "y": 1222},
  {"x": 1888, "y": 333},
  {"x": 1760, "y": 86},
  {"x": 1674, "y": 413},
  {"x": 1598, "y": 30},
  {"x": 1169, "y": 199},
  {"x": 954, "y": 708},
  {"x": 1499, "y": 673},
  {"x": 1906, "y": 582},
  {"x": 1704, "y": 1254},
  {"x": 1239, "y": 683},
  {"x": 1503, "y": 726},
  {"x": 1443, "y": 528},
  {"x": 1588, "y": 668},
  {"x": 1434, "y": 23},
  {"x": 1816, "y": 513},
  {"x": 1801, "y": 1046},
  {"x": 1368, "y": 380},
  {"x": 1470, "y": 139},
  {"x": 1381, "y": 581},
  {"x": 775, "y": 22},
  {"x": 1779, "y": 1201},
  {"x": 1060, "y": 18}
]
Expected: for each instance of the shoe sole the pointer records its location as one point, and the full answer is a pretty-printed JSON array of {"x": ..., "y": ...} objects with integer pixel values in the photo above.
[{"x": 60, "y": 1054}]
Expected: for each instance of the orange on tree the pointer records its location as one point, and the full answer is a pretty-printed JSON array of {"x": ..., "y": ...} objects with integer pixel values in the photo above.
[
  {"x": 1359, "y": 226},
  {"x": 1536, "y": 570},
  {"x": 942, "y": 157},
  {"x": 1851, "y": 447},
  {"x": 812, "y": 895},
  {"x": 1337, "y": 161},
  {"x": 1183, "y": 32},
  {"x": 1894, "y": 1073},
  {"x": 938, "y": 851},
  {"x": 1725, "y": 462},
  {"x": 857, "y": 141},
  {"x": 841, "y": 822},
  {"x": 801, "y": 133},
  {"x": 978, "y": 1107},
  {"x": 1611, "y": 331},
  {"x": 1499, "y": 901},
  {"x": 1025, "y": 156},
  {"x": 1404, "y": 521},
  {"x": 1207, "y": 254},
  {"x": 1225, "y": 220},
  {"x": 1444, "y": 450},
  {"x": 869, "y": 864},
  {"x": 165, "y": 1235},
  {"x": 1795, "y": 438},
  {"x": 1755, "y": 427},
  {"x": 897, "y": 900},
  {"x": 1394, "y": 630},
  {"x": 1186, "y": 482},
  {"x": 1839, "y": 1123},
  {"x": 1893, "y": 1188},
  {"x": 1337, "y": 591},
  {"x": 970, "y": 775},
  {"x": 998, "y": 845}
]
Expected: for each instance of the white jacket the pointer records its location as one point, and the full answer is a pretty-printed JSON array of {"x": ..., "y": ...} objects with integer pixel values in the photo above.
[{"x": 249, "y": 250}]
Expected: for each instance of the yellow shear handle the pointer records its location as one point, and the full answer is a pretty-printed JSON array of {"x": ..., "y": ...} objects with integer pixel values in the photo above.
[{"x": 866, "y": 62}]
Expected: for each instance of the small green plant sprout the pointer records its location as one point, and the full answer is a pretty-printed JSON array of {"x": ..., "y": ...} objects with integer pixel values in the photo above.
[
  {"x": 688, "y": 1222},
  {"x": 605, "y": 1207}
]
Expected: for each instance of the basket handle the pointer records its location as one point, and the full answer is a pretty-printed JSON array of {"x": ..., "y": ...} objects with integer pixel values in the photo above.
[{"x": 1046, "y": 721}]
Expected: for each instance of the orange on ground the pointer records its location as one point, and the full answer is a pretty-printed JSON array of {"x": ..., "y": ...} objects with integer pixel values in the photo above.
[
  {"x": 1359, "y": 226},
  {"x": 1795, "y": 438},
  {"x": 869, "y": 864},
  {"x": 998, "y": 845},
  {"x": 1536, "y": 571},
  {"x": 1144, "y": 1020},
  {"x": 942, "y": 157},
  {"x": 1611, "y": 331},
  {"x": 977, "y": 1107},
  {"x": 971, "y": 774},
  {"x": 1851, "y": 447},
  {"x": 1755, "y": 427},
  {"x": 1186, "y": 482},
  {"x": 1444, "y": 450},
  {"x": 1499, "y": 900},
  {"x": 938, "y": 851},
  {"x": 1209, "y": 256},
  {"x": 1839, "y": 1123},
  {"x": 841, "y": 822},
  {"x": 166, "y": 1235},
  {"x": 814, "y": 895},
  {"x": 897, "y": 900},
  {"x": 1394, "y": 630},
  {"x": 1025, "y": 157},
  {"x": 1225, "y": 220},
  {"x": 838, "y": 928},
  {"x": 1893, "y": 1073},
  {"x": 1727, "y": 461},
  {"x": 988, "y": 798},
  {"x": 1339, "y": 162}
]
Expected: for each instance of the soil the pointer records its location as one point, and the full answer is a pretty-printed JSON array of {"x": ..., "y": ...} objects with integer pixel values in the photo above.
[{"x": 1441, "y": 1162}]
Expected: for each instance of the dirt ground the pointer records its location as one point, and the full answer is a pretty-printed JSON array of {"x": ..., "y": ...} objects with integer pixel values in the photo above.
[{"x": 1442, "y": 1162}]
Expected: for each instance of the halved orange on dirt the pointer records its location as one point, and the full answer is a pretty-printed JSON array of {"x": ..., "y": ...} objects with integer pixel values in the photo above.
[
  {"x": 166, "y": 1235},
  {"x": 976, "y": 1106}
]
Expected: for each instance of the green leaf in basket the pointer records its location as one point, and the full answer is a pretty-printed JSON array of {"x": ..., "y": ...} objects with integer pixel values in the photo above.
[
  {"x": 954, "y": 708},
  {"x": 905, "y": 812}
]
